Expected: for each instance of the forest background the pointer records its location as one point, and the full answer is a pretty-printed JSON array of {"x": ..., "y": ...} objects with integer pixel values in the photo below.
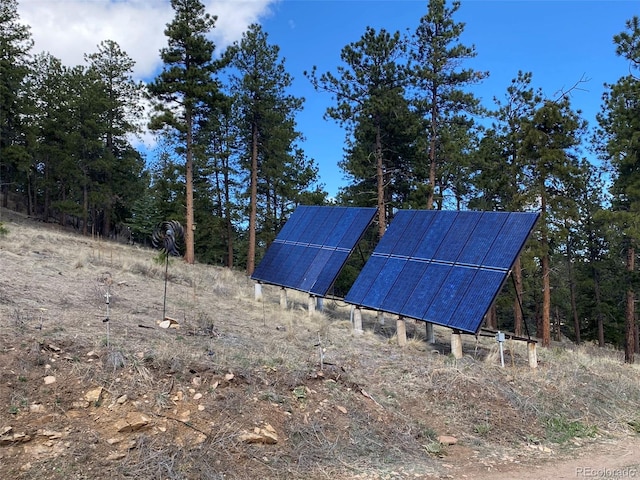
[{"x": 230, "y": 165}]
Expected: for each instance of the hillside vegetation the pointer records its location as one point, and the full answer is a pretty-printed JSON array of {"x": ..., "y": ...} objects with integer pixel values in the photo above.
[{"x": 246, "y": 389}]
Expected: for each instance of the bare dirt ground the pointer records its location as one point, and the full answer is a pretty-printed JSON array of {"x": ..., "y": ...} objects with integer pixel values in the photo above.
[{"x": 247, "y": 389}]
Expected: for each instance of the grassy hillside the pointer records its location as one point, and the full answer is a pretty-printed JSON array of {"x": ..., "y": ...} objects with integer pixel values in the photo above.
[{"x": 246, "y": 389}]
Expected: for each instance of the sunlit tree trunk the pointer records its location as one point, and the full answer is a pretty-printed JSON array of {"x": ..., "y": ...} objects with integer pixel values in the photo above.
[
  {"x": 517, "y": 303},
  {"x": 629, "y": 334},
  {"x": 251, "y": 255},
  {"x": 382, "y": 216},
  {"x": 189, "y": 255}
]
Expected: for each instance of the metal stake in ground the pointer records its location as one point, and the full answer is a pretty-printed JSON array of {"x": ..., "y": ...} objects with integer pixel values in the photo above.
[
  {"x": 166, "y": 237},
  {"x": 106, "y": 320}
]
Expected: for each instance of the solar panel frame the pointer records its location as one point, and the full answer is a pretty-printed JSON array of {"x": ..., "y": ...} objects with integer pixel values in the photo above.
[
  {"x": 312, "y": 247},
  {"x": 443, "y": 267}
]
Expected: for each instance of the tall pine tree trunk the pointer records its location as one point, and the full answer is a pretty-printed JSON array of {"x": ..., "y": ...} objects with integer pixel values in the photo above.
[
  {"x": 572, "y": 293},
  {"x": 432, "y": 150},
  {"x": 251, "y": 254},
  {"x": 546, "y": 271},
  {"x": 382, "y": 220},
  {"x": 491, "y": 320},
  {"x": 629, "y": 331},
  {"x": 599, "y": 316},
  {"x": 517, "y": 303},
  {"x": 189, "y": 255},
  {"x": 227, "y": 216},
  {"x": 85, "y": 207},
  {"x": 546, "y": 299}
]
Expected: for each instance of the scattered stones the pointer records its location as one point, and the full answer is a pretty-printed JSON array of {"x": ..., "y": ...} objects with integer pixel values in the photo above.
[
  {"x": 266, "y": 435},
  {"x": 132, "y": 422},
  {"x": 49, "y": 379},
  {"x": 447, "y": 440},
  {"x": 94, "y": 396},
  {"x": 36, "y": 408},
  {"x": 7, "y": 436},
  {"x": 122, "y": 399},
  {"x": 540, "y": 448},
  {"x": 50, "y": 434},
  {"x": 341, "y": 408},
  {"x": 116, "y": 456},
  {"x": 178, "y": 396},
  {"x": 169, "y": 323}
]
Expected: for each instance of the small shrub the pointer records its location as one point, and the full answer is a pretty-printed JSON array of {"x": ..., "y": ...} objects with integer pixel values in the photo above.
[
  {"x": 560, "y": 430},
  {"x": 482, "y": 429},
  {"x": 434, "y": 448}
]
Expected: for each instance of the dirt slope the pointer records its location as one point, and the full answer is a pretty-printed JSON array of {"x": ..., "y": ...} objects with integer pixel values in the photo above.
[{"x": 246, "y": 389}]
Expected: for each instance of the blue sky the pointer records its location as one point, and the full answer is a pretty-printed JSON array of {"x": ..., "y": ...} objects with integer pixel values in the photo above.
[{"x": 560, "y": 42}]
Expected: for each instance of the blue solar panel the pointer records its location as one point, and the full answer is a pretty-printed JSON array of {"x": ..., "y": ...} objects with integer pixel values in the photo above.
[
  {"x": 442, "y": 267},
  {"x": 352, "y": 226},
  {"x": 393, "y": 237},
  {"x": 312, "y": 247},
  {"x": 367, "y": 277},
  {"x": 483, "y": 237},
  {"x": 432, "y": 236},
  {"x": 403, "y": 287},
  {"x": 479, "y": 296},
  {"x": 513, "y": 234},
  {"x": 383, "y": 281},
  {"x": 330, "y": 272},
  {"x": 457, "y": 236}
]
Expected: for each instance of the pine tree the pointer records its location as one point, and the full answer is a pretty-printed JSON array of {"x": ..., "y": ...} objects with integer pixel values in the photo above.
[
  {"x": 15, "y": 47},
  {"x": 497, "y": 167},
  {"x": 619, "y": 123},
  {"x": 187, "y": 81},
  {"x": 552, "y": 174},
  {"x": 121, "y": 165},
  {"x": 277, "y": 168},
  {"x": 442, "y": 96},
  {"x": 369, "y": 94}
]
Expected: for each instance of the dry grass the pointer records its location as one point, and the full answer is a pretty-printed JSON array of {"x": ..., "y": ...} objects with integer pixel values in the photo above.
[{"x": 343, "y": 405}]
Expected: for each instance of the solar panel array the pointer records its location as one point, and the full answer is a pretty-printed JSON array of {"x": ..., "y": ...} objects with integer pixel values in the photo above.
[
  {"x": 312, "y": 247},
  {"x": 442, "y": 267}
]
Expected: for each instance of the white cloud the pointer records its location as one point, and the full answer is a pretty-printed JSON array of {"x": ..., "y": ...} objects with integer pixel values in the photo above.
[{"x": 69, "y": 29}]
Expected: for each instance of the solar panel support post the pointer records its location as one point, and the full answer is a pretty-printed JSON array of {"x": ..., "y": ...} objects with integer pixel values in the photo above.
[
  {"x": 533, "y": 355},
  {"x": 312, "y": 304},
  {"x": 401, "y": 331},
  {"x": 500, "y": 339},
  {"x": 257, "y": 292},
  {"x": 380, "y": 317},
  {"x": 320, "y": 304},
  {"x": 456, "y": 344},
  {"x": 283, "y": 298},
  {"x": 356, "y": 314},
  {"x": 431, "y": 338}
]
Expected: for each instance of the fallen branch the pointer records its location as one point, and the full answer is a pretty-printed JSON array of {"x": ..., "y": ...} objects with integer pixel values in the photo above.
[{"x": 364, "y": 392}]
